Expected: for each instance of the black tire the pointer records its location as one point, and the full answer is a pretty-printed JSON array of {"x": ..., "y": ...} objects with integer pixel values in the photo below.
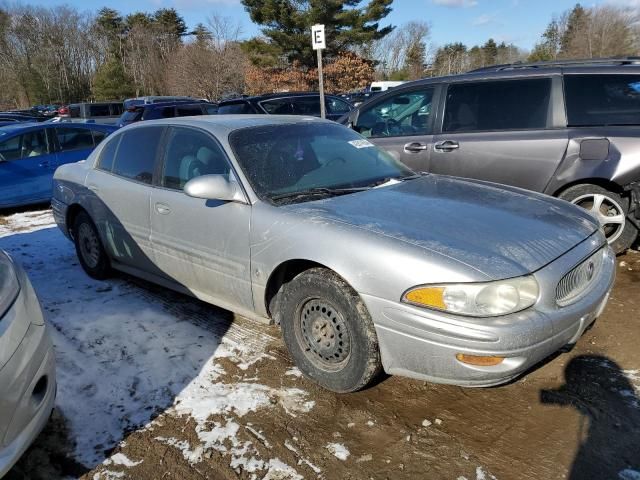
[
  {"x": 620, "y": 236},
  {"x": 89, "y": 249},
  {"x": 329, "y": 332}
]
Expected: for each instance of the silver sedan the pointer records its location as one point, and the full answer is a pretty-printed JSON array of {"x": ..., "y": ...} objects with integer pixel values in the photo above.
[
  {"x": 27, "y": 365},
  {"x": 363, "y": 263}
]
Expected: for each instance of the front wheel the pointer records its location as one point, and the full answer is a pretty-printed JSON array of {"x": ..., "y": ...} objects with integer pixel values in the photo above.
[
  {"x": 328, "y": 331},
  {"x": 89, "y": 248},
  {"x": 609, "y": 208}
]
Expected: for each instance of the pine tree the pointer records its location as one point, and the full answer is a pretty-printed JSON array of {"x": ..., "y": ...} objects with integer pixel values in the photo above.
[
  {"x": 415, "y": 59},
  {"x": 287, "y": 24},
  {"x": 111, "y": 82},
  {"x": 575, "y": 25}
]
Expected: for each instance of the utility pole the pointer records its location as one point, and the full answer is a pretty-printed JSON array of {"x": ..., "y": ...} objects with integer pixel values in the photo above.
[{"x": 319, "y": 44}]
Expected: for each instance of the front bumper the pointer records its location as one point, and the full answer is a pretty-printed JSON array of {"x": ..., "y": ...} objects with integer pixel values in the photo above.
[
  {"x": 422, "y": 344},
  {"x": 27, "y": 379}
]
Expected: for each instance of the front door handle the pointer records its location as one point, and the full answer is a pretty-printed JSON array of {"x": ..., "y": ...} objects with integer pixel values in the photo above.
[
  {"x": 163, "y": 209},
  {"x": 44, "y": 163},
  {"x": 415, "y": 147},
  {"x": 446, "y": 146}
]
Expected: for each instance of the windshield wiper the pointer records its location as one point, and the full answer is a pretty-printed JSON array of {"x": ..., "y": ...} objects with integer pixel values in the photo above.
[
  {"x": 319, "y": 191},
  {"x": 382, "y": 181}
]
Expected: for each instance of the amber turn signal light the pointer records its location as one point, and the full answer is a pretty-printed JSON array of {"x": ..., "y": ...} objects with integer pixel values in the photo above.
[{"x": 479, "y": 361}]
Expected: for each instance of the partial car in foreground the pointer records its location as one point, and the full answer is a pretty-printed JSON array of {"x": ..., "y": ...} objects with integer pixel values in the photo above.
[
  {"x": 30, "y": 153},
  {"x": 27, "y": 365},
  {"x": 364, "y": 263},
  {"x": 286, "y": 103}
]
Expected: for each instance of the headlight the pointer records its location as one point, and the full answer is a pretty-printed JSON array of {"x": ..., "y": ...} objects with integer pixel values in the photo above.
[
  {"x": 488, "y": 299},
  {"x": 9, "y": 286}
]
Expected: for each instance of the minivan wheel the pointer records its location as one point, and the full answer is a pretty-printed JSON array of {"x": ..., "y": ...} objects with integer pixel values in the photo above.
[
  {"x": 328, "y": 331},
  {"x": 610, "y": 209},
  {"x": 89, "y": 248}
]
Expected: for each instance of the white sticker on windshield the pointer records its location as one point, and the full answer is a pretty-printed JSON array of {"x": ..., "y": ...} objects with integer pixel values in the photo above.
[{"x": 361, "y": 143}]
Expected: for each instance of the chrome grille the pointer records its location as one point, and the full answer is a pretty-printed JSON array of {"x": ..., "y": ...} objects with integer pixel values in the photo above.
[{"x": 578, "y": 280}]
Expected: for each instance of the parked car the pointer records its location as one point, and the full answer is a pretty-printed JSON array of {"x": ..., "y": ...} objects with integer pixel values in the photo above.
[
  {"x": 154, "y": 111},
  {"x": 30, "y": 153},
  {"x": 300, "y": 103},
  {"x": 358, "y": 98},
  {"x": 363, "y": 263},
  {"x": 27, "y": 365},
  {"x": 99, "y": 112},
  {"x": 383, "y": 86},
  {"x": 571, "y": 130},
  {"x": 21, "y": 117},
  {"x": 133, "y": 102}
]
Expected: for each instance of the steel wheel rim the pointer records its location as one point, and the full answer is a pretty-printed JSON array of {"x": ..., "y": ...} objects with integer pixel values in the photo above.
[
  {"x": 609, "y": 213},
  {"x": 323, "y": 334},
  {"x": 89, "y": 245}
]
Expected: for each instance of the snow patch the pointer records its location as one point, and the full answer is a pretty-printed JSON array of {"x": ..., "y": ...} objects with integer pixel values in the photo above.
[
  {"x": 121, "y": 459},
  {"x": 338, "y": 450}
]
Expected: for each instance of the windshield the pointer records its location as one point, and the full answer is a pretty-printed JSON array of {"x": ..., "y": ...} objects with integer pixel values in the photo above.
[{"x": 289, "y": 158}]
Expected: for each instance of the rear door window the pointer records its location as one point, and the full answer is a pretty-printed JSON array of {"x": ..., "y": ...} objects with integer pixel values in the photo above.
[
  {"x": 306, "y": 106},
  {"x": 136, "y": 154},
  {"x": 498, "y": 105},
  {"x": 73, "y": 138},
  {"x": 10, "y": 148},
  {"x": 336, "y": 106},
  {"x": 108, "y": 153},
  {"x": 278, "y": 106},
  {"x": 600, "y": 100}
]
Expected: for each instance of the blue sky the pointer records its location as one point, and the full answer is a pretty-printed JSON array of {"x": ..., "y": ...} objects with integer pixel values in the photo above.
[{"x": 468, "y": 21}]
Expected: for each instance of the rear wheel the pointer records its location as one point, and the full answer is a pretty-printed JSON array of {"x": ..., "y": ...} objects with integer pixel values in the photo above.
[
  {"x": 329, "y": 332},
  {"x": 609, "y": 208},
  {"x": 89, "y": 249}
]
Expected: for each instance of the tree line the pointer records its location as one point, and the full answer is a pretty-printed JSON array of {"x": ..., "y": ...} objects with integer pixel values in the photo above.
[{"x": 62, "y": 55}]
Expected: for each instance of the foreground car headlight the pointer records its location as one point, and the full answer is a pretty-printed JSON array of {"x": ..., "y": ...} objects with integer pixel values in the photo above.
[
  {"x": 489, "y": 299},
  {"x": 9, "y": 286}
]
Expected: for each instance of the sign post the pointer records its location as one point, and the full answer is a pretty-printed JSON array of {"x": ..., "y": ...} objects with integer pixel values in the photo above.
[{"x": 318, "y": 43}]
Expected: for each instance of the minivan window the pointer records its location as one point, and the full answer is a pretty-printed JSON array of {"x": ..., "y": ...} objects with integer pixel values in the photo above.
[
  {"x": 117, "y": 109},
  {"x": 136, "y": 154},
  {"x": 74, "y": 111},
  {"x": 401, "y": 114},
  {"x": 599, "y": 100},
  {"x": 498, "y": 105},
  {"x": 99, "y": 110}
]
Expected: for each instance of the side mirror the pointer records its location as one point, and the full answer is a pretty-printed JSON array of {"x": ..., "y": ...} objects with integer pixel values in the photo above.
[{"x": 214, "y": 187}]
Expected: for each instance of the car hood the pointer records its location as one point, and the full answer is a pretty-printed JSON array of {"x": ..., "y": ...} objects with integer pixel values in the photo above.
[{"x": 500, "y": 231}]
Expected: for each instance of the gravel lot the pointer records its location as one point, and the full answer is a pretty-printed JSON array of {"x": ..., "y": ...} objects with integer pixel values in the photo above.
[{"x": 153, "y": 384}]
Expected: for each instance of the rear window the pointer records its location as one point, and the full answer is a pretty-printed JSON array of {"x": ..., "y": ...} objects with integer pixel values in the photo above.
[
  {"x": 188, "y": 110},
  {"x": 236, "y": 108},
  {"x": 74, "y": 138},
  {"x": 131, "y": 116},
  {"x": 601, "y": 100},
  {"x": 498, "y": 105}
]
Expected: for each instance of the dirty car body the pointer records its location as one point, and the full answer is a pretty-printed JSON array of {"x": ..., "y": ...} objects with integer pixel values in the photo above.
[
  {"x": 27, "y": 365},
  {"x": 444, "y": 271}
]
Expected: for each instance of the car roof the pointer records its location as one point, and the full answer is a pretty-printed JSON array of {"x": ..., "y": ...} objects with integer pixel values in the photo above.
[
  {"x": 20, "y": 126},
  {"x": 171, "y": 103},
  {"x": 229, "y": 123}
]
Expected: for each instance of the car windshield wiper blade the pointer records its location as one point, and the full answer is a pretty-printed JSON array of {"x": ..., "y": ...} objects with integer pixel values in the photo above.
[
  {"x": 317, "y": 191},
  {"x": 382, "y": 181}
]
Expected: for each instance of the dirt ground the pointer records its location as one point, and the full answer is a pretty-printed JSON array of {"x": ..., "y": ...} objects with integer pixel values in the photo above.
[{"x": 577, "y": 416}]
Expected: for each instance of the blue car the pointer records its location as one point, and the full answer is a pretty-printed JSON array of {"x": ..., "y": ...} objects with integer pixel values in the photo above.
[{"x": 31, "y": 152}]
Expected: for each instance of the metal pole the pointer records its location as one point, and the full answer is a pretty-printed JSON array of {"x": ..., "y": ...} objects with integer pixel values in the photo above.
[{"x": 323, "y": 113}]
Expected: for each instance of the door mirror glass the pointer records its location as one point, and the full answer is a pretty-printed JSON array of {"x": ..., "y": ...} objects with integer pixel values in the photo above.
[{"x": 214, "y": 187}]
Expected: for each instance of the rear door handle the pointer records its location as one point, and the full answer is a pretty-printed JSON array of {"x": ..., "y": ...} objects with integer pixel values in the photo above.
[
  {"x": 415, "y": 147},
  {"x": 446, "y": 146},
  {"x": 163, "y": 209}
]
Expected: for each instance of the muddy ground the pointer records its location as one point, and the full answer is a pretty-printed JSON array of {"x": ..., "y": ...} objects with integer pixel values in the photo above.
[{"x": 577, "y": 417}]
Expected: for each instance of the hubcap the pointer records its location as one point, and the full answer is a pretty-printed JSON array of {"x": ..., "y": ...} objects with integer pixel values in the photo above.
[
  {"x": 609, "y": 213},
  {"x": 89, "y": 245},
  {"x": 323, "y": 334}
]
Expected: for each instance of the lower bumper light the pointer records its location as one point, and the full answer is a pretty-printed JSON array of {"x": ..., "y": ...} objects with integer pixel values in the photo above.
[{"x": 479, "y": 361}]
